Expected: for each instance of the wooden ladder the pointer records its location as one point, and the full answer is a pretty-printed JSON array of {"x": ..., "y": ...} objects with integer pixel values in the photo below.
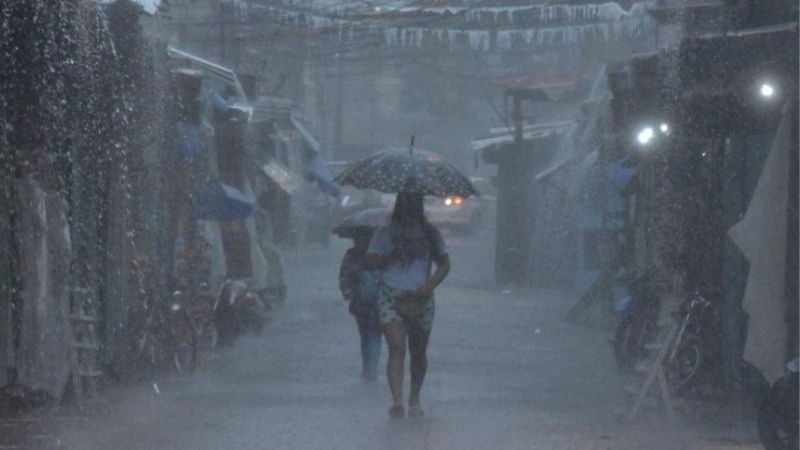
[
  {"x": 653, "y": 368},
  {"x": 84, "y": 371}
]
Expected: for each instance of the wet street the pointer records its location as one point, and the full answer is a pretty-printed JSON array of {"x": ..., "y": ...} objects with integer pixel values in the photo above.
[{"x": 505, "y": 373}]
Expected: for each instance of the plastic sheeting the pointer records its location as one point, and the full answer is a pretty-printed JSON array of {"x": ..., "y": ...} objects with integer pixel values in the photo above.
[
  {"x": 44, "y": 351},
  {"x": 555, "y": 25},
  {"x": 761, "y": 235},
  {"x": 505, "y": 40},
  {"x": 298, "y": 17},
  {"x": 543, "y": 13},
  {"x": 261, "y": 275}
]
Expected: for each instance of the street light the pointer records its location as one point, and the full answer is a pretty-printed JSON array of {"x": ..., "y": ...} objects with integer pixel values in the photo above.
[
  {"x": 645, "y": 135},
  {"x": 767, "y": 90},
  {"x": 664, "y": 128}
]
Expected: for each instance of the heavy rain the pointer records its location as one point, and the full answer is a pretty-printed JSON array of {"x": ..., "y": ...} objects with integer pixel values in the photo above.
[{"x": 399, "y": 224}]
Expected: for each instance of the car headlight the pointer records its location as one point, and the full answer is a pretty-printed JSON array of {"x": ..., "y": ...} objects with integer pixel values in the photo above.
[{"x": 450, "y": 201}]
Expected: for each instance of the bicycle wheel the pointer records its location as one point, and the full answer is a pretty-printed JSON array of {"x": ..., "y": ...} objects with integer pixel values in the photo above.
[
  {"x": 184, "y": 348},
  {"x": 683, "y": 368},
  {"x": 207, "y": 337}
]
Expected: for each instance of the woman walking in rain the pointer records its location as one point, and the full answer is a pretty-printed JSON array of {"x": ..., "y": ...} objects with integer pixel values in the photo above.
[
  {"x": 404, "y": 252},
  {"x": 360, "y": 288}
]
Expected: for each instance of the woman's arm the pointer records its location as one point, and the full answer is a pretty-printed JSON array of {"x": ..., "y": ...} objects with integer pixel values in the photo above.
[{"x": 442, "y": 269}]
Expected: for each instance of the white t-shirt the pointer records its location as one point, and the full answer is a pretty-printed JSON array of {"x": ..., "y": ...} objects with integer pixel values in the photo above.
[{"x": 400, "y": 274}]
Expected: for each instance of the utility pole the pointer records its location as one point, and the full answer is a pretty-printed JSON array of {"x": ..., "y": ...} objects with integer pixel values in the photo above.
[
  {"x": 222, "y": 40},
  {"x": 322, "y": 107},
  {"x": 338, "y": 111}
]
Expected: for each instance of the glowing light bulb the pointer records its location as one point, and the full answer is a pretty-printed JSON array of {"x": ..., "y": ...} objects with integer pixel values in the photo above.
[
  {"x": 767, "y": 90},
  {"x": 645, "y": 136},
  {"x": 664, "y": 128}
]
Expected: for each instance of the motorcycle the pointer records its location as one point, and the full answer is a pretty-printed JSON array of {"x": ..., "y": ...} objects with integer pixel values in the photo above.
[
  {"x": 238, "y": 310},
  {"x": 778, "y": 414}
]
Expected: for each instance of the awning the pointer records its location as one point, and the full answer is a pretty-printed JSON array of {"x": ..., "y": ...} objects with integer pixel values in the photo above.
[
  {"x": 272, "y": 108},
  {"x": 530, "y": 132},
  {"x": 556, "y": 168},
  {"x": 572, "y": 172},
  {"x": 218, "y": 73},
  {"x": 718, "y": 74}
]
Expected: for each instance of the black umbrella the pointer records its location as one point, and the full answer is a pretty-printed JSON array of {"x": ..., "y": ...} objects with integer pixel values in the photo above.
[{"x": 414, "y": 171}]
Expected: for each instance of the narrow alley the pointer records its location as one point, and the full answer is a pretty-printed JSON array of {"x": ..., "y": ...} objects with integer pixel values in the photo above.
[{"x": 505, "y": 373}]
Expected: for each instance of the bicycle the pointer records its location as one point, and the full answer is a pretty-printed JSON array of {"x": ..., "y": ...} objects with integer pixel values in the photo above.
[{"x": 167, "y": 337}]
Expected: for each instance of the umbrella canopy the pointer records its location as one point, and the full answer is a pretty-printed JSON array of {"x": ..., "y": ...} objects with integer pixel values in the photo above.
[
  {"x": 223, "y": 203},
  {"x": 368, "y": 218},
  {"x": 414, "y": 171}
]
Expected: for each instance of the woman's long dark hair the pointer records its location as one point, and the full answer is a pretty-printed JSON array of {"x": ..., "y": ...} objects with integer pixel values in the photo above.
[{"x": 408, "y": 214}]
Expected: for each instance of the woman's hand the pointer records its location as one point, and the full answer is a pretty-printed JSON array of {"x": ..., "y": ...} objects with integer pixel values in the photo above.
[
  {"x": 422, "y": 293},
  {"x": 415, "y": 295}
]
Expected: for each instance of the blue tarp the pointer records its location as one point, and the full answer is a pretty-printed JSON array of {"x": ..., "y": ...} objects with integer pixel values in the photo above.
[
  {"x": 320, "y": 171},
  {"x": 223, "y": 203},
  {"x": 188, "y": 139}
]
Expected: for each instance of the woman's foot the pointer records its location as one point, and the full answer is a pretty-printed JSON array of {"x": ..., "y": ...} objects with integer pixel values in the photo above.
[
  {"x": 397, "y": 412},
  {"x": 415, "y": 411}
]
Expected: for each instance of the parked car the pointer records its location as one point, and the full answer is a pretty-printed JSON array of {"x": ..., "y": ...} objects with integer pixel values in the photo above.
[{"x": 458, "y": 213}]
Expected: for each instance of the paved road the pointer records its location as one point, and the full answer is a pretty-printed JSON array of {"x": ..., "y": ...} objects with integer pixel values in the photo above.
[{"x": 505, "y": 373}]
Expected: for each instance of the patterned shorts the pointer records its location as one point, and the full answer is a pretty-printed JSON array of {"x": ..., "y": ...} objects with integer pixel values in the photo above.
[{"x": 387, "y": 313}]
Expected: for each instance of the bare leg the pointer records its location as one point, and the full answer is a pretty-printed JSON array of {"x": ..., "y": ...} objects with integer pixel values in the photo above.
[
  {"x": 395, "y": 334},
  {"x": 418, "y": 350}
]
